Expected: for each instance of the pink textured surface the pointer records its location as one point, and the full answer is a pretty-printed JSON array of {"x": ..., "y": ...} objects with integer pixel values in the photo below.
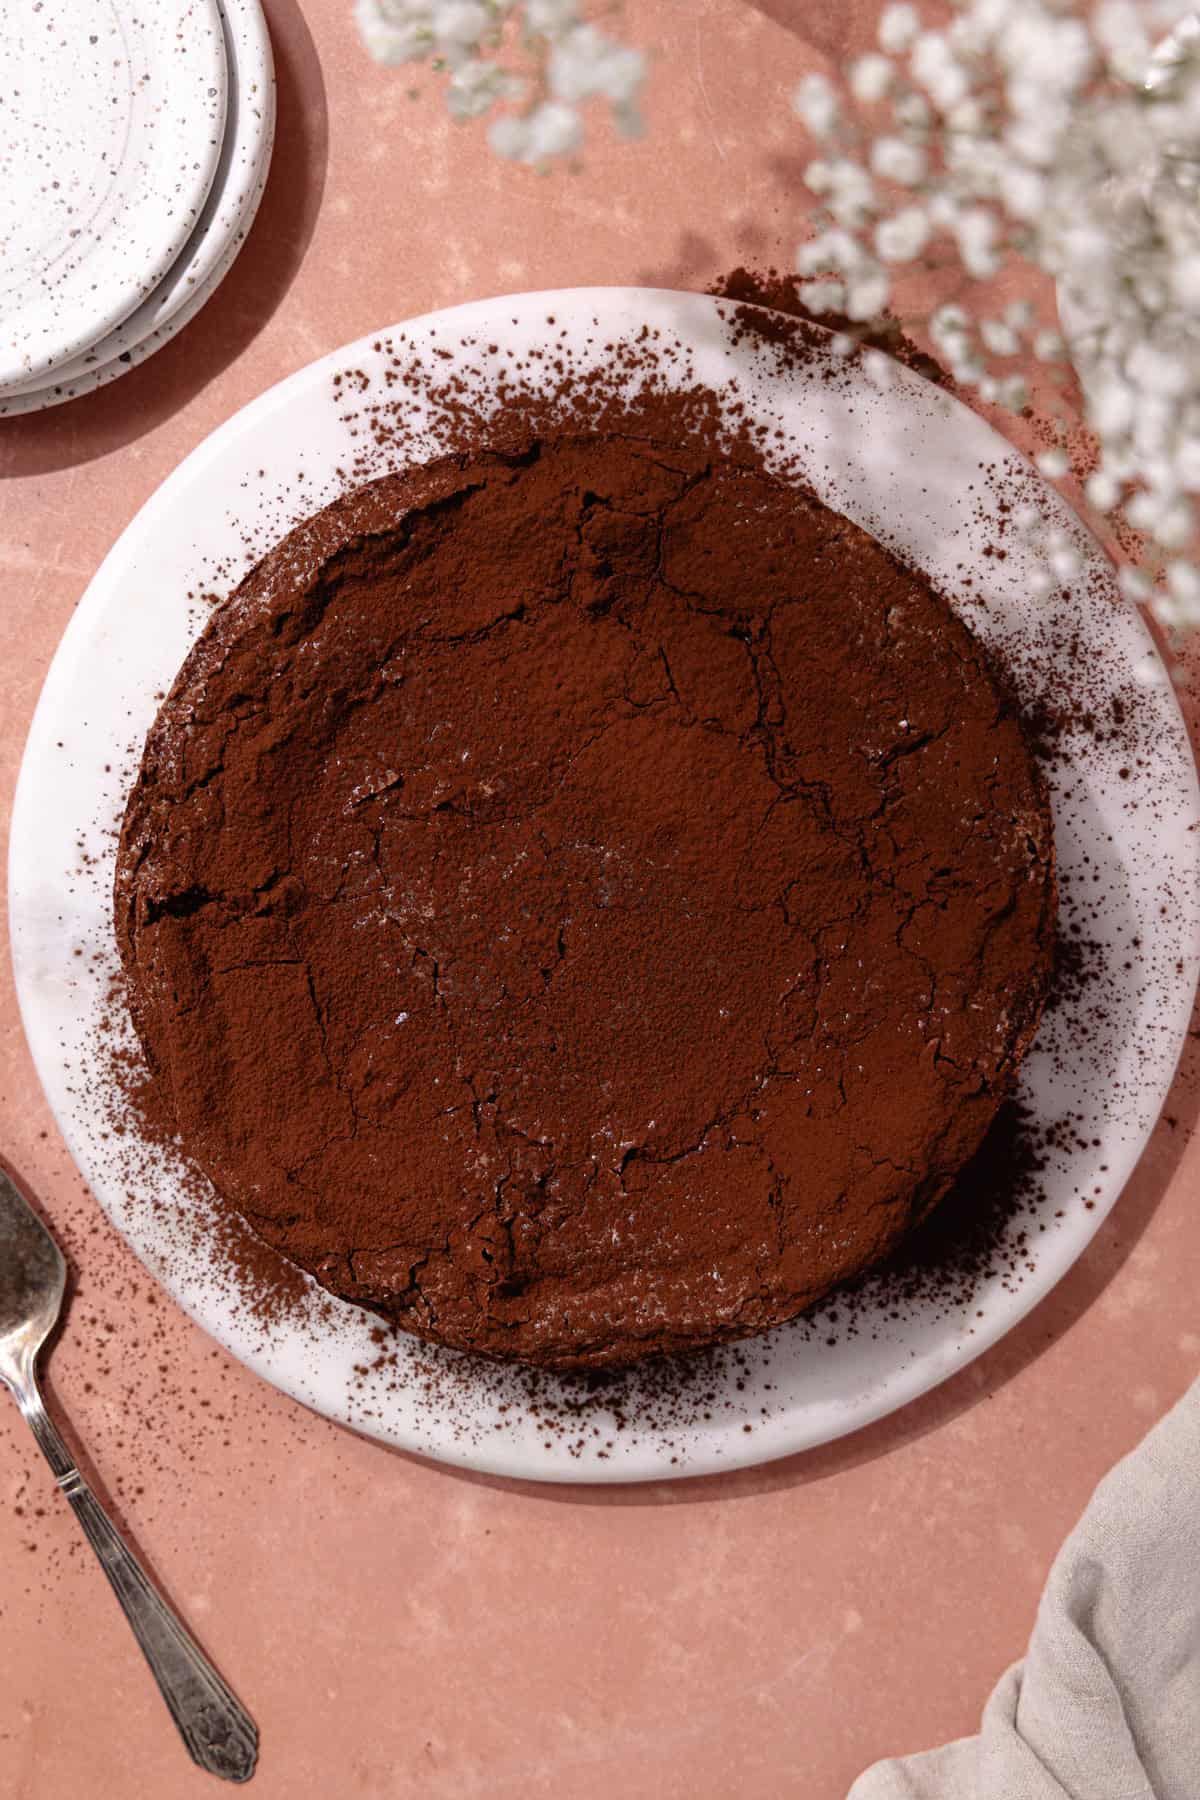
[{"x": 397, "y": 1629}]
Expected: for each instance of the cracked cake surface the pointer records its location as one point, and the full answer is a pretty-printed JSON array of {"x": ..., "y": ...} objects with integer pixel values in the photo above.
[{"x": 584, "y": 903}]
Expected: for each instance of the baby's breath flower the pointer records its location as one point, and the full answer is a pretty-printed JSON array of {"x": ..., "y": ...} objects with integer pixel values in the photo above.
[
  {"x": 1012, "y": 393},
  {"x": 584, "y": 64},
  {"x": 1170, "y": 523},
  {"x": 578, "y": 63},
  {"x": 976, "y": 233},
  {"x": 852, "y": 198},
  {"x": 897, "y": 159},
  {"x": 967, "y": 367},
  {"x": 1183, "y": 584},
  {"x": 1103, "y": 490},
  {"x": 948, "y": 325},
  {"x": 824, "y": 296},
  {"x": 870, "y": 77},
  {"x": 549, "y": 18},
  {"x": 1048, "y": 345},
  {"x": 942, "y": 208},
  {"x": 1112, "y": 405},
  {"x": 1065, "y": 562},
  {"x": 815, "y": 102},
  {"x": 1156, "y": 371},
  {"x": 999, "y": 337},
  {"x": 912, "y": 113},
  {"x": 1121, "y": 37},
  {"x": 394, "y": 34},
  {"x": 867, "y": 291},
  {"x": 475, "y": 86},
  {"x": 1185, "y": 279},
  {"x": 1187, "y": 464},
  {"x": 902, "y": 237},
  {"x": 935, "y": 69},
  {"x": 1022, "y": 190},
  {"x": 831, "y": 250},
  {"x": 460, "y": 23},
  {"x": 1053, "y": 463},
  {"x": 1047, "y": 53},
  {"x": 551, "y": 129},
  {"x": 967, "y": 116},
  {"x": 898, "y": 26},
  {"x": 1133, "y": 583}
]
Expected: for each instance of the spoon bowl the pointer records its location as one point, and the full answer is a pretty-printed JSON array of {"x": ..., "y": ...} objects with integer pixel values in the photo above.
[{"x": 33, "y": 1276}]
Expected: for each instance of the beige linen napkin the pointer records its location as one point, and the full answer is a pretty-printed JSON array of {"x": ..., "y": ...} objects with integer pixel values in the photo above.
[{"x": 1106, "y": 1705}]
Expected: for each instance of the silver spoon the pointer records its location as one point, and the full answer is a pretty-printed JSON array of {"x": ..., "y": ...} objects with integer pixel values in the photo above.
[{"x": 216, "y": 1728}]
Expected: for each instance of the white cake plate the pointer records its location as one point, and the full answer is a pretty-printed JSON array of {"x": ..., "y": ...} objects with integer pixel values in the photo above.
[{"x": 906, "y": 462}]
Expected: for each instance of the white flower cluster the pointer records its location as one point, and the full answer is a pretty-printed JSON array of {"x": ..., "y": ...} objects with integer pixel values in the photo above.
[
  {"x": 573, "y": 62},
  {"x": 1052, "y": 131}
]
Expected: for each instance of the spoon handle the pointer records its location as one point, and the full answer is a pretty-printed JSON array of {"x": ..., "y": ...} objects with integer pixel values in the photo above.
[{"x": 219, "y": 1733}]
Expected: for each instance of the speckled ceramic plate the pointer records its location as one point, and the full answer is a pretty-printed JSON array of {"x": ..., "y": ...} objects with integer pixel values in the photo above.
[
  {"x": 113, "y": 120},
  {"x": 221, "y": 230},
  {"x": 908, "y": 464}
]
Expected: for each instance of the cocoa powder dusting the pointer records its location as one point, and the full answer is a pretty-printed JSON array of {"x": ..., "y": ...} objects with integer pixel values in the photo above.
[
  {"x": 584, "y": 902},
  {"x": 783, "y": 294}
]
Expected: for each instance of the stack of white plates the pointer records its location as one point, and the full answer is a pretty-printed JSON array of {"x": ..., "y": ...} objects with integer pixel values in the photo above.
[{"x": 135, "y": 137}]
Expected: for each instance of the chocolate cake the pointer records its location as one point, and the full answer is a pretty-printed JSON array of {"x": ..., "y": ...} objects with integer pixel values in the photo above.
[{"x": 584, "y": 903}]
